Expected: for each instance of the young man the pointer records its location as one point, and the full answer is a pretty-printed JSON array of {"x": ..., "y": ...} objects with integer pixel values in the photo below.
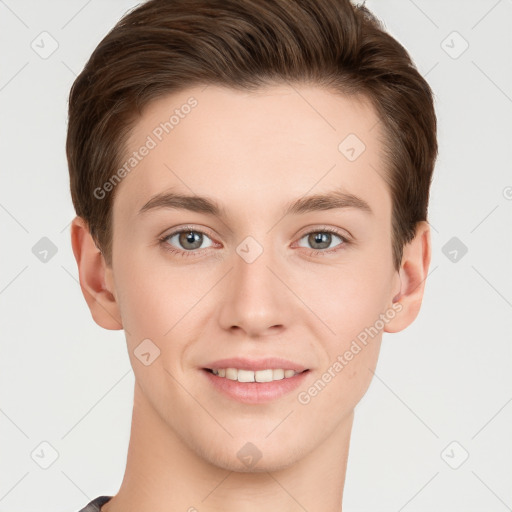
[{"x": 251, "y": 182}]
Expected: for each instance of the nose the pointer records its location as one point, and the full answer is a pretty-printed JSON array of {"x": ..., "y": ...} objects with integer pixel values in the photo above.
[{"x": 256, "y": 301}]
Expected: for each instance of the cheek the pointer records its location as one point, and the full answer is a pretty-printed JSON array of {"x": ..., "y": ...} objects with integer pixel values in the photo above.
[
  {"x": 151, "y": 293},
  {"x": 140, "y": 297},
  {"x": 351, "y": 306},
  {"x": 349, "y": 298},
  {"x": 162, "y": 302},
  {"x": 339, "y": 387}
]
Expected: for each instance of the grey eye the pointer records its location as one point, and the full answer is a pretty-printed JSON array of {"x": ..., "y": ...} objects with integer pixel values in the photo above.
[
  {"x": 189, "y": 239},
  {"x": 319, "y": 240}
]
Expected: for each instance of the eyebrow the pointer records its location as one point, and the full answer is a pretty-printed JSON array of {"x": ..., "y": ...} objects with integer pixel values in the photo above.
[{"x": 336, "y": 199}]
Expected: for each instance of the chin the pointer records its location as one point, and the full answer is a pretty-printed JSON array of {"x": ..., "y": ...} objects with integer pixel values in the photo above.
[
  {"x": 246, "y": 457},
  {"x": 262, "y": 466}
]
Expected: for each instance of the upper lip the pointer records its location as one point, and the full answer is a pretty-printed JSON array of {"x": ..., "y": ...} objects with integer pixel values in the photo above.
[{"x": 242, "y": 363}]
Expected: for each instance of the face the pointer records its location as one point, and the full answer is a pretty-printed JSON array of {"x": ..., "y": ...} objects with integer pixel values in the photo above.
[{"x": 257, "y": 271}]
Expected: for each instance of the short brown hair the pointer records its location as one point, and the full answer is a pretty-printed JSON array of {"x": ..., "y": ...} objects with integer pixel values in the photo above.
[{"x": 165, "y": 46}]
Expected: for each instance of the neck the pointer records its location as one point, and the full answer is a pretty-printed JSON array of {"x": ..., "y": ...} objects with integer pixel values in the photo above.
[{"x": 164, "y": 475}]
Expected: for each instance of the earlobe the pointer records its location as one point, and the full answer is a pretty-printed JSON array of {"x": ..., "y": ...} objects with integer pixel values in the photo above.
[
  {"x": 413, "y": 273},
  {"x": 93, "y": 277}
]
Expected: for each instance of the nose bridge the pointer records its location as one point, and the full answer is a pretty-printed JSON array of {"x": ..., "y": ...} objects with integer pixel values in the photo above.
[{"x": 255, "y": 298}]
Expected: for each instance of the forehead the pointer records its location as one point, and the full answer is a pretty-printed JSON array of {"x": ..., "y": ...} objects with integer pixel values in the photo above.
[{"x": 244, "y": 148}]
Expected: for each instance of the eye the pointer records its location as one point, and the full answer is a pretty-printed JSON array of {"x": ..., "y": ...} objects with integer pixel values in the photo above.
[
  {"x": 320, "y": 240},
  {"x": 186, "y": 240}
]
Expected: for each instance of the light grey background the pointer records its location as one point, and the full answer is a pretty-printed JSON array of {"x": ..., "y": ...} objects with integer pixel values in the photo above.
[{"x": 445, "y": 379}]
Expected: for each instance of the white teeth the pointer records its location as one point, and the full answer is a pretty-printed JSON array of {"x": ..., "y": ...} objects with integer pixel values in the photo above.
[
  {"x": 278, "y": 374},
  {"x": 268, "y": 375},
  {"x": 245, "y": 376},
  {"x": 263, "y": 375},
  {"x": 231, "y": 374}
]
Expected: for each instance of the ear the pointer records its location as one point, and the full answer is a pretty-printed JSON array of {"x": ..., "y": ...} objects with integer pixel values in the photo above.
[
  {"x": 95, "y": 277},
  {"x": 411, "y": 279}
]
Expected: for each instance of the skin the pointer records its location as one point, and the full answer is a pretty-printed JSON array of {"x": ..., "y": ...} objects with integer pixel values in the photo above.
[{"x": 253, "y": 152}]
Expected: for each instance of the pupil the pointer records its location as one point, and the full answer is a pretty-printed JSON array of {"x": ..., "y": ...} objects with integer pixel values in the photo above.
[
  {"x": 192, "y": 238},
  {"x": 323, "y": 239}
]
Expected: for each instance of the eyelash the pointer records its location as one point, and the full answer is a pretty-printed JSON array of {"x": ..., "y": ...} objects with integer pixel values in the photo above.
[{"x": 312, "y": 252}]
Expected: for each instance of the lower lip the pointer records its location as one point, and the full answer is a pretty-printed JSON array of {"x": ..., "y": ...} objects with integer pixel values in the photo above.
[{"x": 255, "y": 392}]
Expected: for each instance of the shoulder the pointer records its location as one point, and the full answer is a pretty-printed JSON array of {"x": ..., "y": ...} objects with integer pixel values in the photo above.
[{"x": 95, "y": 505}]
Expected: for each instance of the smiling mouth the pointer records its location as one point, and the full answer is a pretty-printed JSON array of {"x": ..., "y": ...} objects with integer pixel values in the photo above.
[{"x": 267, "y": 375}]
